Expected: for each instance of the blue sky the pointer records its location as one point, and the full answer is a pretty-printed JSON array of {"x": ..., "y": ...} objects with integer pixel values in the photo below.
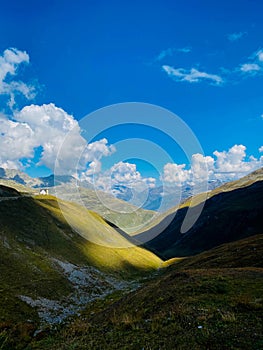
[{"x": 199, "y": 59}]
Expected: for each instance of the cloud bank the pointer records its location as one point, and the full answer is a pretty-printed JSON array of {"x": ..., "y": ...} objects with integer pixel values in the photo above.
[
  {"x": 224, "y": 166},
  {"x": 46, "y": 127}
]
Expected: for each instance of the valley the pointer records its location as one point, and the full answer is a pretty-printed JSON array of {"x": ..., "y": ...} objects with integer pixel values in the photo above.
[{"x": 71, "y": 278}]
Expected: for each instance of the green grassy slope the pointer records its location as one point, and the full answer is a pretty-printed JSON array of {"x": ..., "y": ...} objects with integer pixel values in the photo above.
[
  {"x": 124, "y": 215},
  {"x": 34, "y": 236},
  {"x": 226, "y": 216},
  {"x": 241, "y": 253},
  {"x": 202, "y": 302},
  {"x": 112, "y": 250}
]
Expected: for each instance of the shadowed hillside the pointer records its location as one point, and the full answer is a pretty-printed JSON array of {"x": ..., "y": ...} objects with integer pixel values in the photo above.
[
  {"x": 229, "y": 214},
  {"x": 7, "y": 192}
]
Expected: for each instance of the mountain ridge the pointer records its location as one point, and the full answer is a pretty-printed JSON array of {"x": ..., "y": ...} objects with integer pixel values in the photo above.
[
  {"x": 230, "y": 212},
  {"x": 123, "y": 214}
]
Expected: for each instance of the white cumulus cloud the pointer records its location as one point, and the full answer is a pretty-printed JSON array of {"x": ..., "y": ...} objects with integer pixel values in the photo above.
[
  {"x": 224, "y": 165},
  {"x": 201, "y": 167},
  {"x": 124, "y": 172},
  {"x": 233, "y": 161},
  {"x": 47, "y": 126},
  {"x": 98, "y": 149},
  {"x": 120, "y": 176},
  {"x": 9, "y": 62},
  {"x": 175, "y": 174}
]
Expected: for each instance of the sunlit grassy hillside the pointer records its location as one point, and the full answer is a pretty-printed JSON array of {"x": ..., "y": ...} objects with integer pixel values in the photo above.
[
  {"x": 38, "y": 247},
  {"x": 123, "y": 214}
]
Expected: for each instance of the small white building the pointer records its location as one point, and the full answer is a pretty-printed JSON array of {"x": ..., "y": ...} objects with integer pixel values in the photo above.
[{"x": 43, "y": 191}]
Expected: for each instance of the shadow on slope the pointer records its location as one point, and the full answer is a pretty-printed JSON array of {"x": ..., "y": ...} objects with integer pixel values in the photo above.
[{"x": 226, "y": 217}]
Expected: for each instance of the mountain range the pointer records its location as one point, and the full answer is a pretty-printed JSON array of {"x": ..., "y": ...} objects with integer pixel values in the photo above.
[
  {"x": 162, "y": 198},
  {"x": 119, "y": 209},
  {"x": 157, "y": 198}
]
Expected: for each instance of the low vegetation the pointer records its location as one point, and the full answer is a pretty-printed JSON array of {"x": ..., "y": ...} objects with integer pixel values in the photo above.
[{"x": 193, "y": 304}]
